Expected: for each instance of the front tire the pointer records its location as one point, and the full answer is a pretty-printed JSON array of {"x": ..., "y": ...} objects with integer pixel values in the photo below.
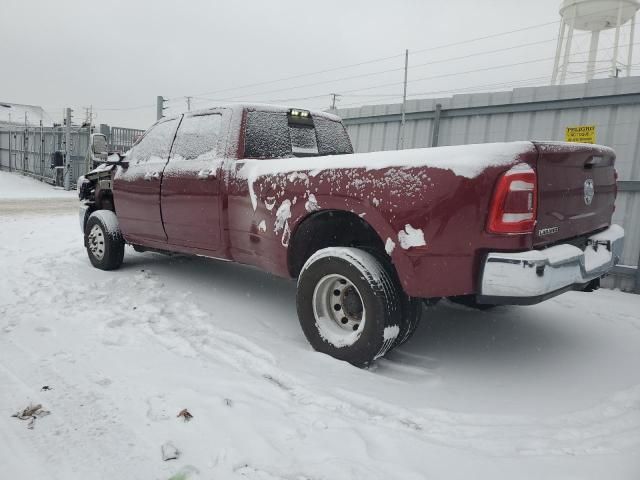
[
  {"x": 103, "y": 240},
  {"x": 348, "y": 305}
]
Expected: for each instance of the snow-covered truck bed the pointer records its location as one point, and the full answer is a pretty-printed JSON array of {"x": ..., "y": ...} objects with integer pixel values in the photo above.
[{"x": 367, "y": 235}]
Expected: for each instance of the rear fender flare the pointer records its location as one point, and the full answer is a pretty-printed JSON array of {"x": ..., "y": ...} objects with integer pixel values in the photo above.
[{"x": 369, "y": 214}]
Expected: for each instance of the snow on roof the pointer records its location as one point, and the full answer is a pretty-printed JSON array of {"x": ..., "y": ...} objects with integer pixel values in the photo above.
[
  {"x": 14, "y": 114},
  {"x": 265, "y": 107}
]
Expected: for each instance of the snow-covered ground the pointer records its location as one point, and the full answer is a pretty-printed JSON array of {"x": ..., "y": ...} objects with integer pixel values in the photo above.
[
  {"x": 550, "y": 391},
  {"x": 16, "y": 186}
]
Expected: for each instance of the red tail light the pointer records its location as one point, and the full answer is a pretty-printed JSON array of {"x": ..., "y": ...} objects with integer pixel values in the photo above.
[{"x": 514, "y": 204}]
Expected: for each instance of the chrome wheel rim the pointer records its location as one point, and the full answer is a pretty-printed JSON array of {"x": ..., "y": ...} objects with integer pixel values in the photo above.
[
  {"x": 96, "y": 242},
  {"x": 339, "y": 310}
]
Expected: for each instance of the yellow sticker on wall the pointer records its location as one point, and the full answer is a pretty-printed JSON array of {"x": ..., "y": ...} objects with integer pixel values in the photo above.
[{"x": 581, "y": 134}]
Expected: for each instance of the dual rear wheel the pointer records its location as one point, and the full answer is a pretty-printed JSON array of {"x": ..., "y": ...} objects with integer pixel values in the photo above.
[{"x": 351, "y": 306}]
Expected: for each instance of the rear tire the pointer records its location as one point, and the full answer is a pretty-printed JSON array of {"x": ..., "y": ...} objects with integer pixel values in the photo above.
[
  {"x": 103, "y": 240},
  {"x": 411, "y": 316},
  {"x": 348, "y": 305}
]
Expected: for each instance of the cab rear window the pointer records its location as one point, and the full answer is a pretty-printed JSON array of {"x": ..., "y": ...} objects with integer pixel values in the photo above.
[{"x": 271, "y": 135}]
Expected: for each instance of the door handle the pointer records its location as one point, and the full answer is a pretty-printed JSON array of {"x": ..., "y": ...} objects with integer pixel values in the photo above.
[
  {"x": 204, "y": 174},
  {"x": 151, "y": 176}
]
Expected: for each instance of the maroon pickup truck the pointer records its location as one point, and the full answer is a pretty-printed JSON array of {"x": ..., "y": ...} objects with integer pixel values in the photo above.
[{"x": 367, "y": 236}]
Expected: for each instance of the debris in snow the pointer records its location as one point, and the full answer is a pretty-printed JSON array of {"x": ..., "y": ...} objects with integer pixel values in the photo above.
[
  {"x": 186, "y": 472},
  {"x": 184, "y": 413},
  {"x": 312, "y": 204},
  {"x": 389, "y": 246},
  {"x": 169, "y": 451},
  {"x": 46, "y": 388},
  {"x": 228, "y": 402},
  {"x": 31, "y": 413},
  {"x": 262, "y": 226},
  {"x": 411, "y": 237}
]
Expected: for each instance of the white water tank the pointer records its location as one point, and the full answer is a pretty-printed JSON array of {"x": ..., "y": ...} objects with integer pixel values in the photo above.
[
  {"x": 598, "y": 15},
  {"x": 594, "y": 16}
]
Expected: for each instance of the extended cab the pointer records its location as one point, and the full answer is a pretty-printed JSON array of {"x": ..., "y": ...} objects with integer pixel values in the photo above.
[{"x": 368, "y": 236}]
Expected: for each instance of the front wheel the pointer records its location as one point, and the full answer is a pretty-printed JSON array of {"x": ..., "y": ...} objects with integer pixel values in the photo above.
[
  {"x": 103, "y": 240},
  {"x": 348, "y": 305}
]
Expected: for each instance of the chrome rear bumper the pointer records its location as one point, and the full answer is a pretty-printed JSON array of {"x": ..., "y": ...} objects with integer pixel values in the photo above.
[{"x": 532, "y": 276}]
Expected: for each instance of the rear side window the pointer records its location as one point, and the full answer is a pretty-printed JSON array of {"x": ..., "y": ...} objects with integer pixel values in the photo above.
[
  {"x": 198, "y": 135},
  {"x": 271, "y": 135},
  {"x": 267, "y": 135},
  {"x": 332, "y": 137},
  {"x": 156, "y": 143}
]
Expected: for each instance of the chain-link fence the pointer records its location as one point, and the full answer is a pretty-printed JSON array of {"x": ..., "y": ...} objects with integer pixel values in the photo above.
[{"x": 29, "y": 149}]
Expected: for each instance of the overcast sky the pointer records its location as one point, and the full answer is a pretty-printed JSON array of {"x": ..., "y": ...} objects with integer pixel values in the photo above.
[{"x": 119, "y": 55}]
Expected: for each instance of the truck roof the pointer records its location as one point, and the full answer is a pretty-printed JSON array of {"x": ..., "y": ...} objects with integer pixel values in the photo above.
[{"x": 263, "y": 107}]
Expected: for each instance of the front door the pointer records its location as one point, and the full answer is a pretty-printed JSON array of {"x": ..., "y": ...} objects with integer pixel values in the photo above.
[
  {"x": 190, "y": 195},
  {"x": 137, "y": 187}
]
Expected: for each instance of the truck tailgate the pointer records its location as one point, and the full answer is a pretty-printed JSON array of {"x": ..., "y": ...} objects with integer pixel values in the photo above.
[{"x": 576, "y": 190}]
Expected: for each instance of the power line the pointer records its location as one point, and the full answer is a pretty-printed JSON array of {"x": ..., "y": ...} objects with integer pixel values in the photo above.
[
  {"x": 414, "y": 52},
  {"x": 398, "y": 69},
  {"x": 375, "y": 60},
  {"x": 470, "y": 71},
  {"x": 301, "y": 75},
  {"x": 380, "y": 59},
  {"x": 380, "y": 72},
  {"x": 514, "y": 83}
]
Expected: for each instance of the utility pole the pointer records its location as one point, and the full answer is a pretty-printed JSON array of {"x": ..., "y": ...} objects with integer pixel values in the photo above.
[
  {"x": 616, "y": 44},
  {"x": 67, "y": 151},
  {"x": 25, "y": 144},
  {"x": 160, "y": 108},
  {"x": 89, "y": 122},
  {"x": 334, "y": 97},
  {"x": 189, "y": 103},
  {"x": 404, "y": 101}
]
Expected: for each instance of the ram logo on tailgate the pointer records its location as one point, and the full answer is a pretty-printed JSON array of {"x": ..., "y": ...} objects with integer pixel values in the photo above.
[{"x": 589, "y": 191}]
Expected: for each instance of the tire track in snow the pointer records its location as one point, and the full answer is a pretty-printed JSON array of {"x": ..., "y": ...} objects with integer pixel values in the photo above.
[{"x": 183, "y": 327}]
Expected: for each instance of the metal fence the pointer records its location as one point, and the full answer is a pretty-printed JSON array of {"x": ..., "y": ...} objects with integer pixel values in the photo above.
[
  {"x": 28, "y": 149},
  {"x": 609, "y": 107}
]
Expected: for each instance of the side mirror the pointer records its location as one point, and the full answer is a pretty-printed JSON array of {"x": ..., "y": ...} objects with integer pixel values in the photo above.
[{"x": 99, "y": 145}]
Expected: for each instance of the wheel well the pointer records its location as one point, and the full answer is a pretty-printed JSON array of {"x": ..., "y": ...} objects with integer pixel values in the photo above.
[
  {"x": 103, "y": 200},
  {"x": 331, "y": 228}
]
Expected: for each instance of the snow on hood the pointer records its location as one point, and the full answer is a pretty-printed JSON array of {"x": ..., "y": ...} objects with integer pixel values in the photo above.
[{"x": 467, "y": 161}]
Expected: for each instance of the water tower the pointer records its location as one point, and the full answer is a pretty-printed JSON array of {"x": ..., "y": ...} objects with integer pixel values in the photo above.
[{"x": 593, "y": 16}]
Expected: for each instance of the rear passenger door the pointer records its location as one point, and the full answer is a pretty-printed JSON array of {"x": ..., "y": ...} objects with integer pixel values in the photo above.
[
  {"x": 137, "y": 187},
  {"x": 190, "y": 194}
]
